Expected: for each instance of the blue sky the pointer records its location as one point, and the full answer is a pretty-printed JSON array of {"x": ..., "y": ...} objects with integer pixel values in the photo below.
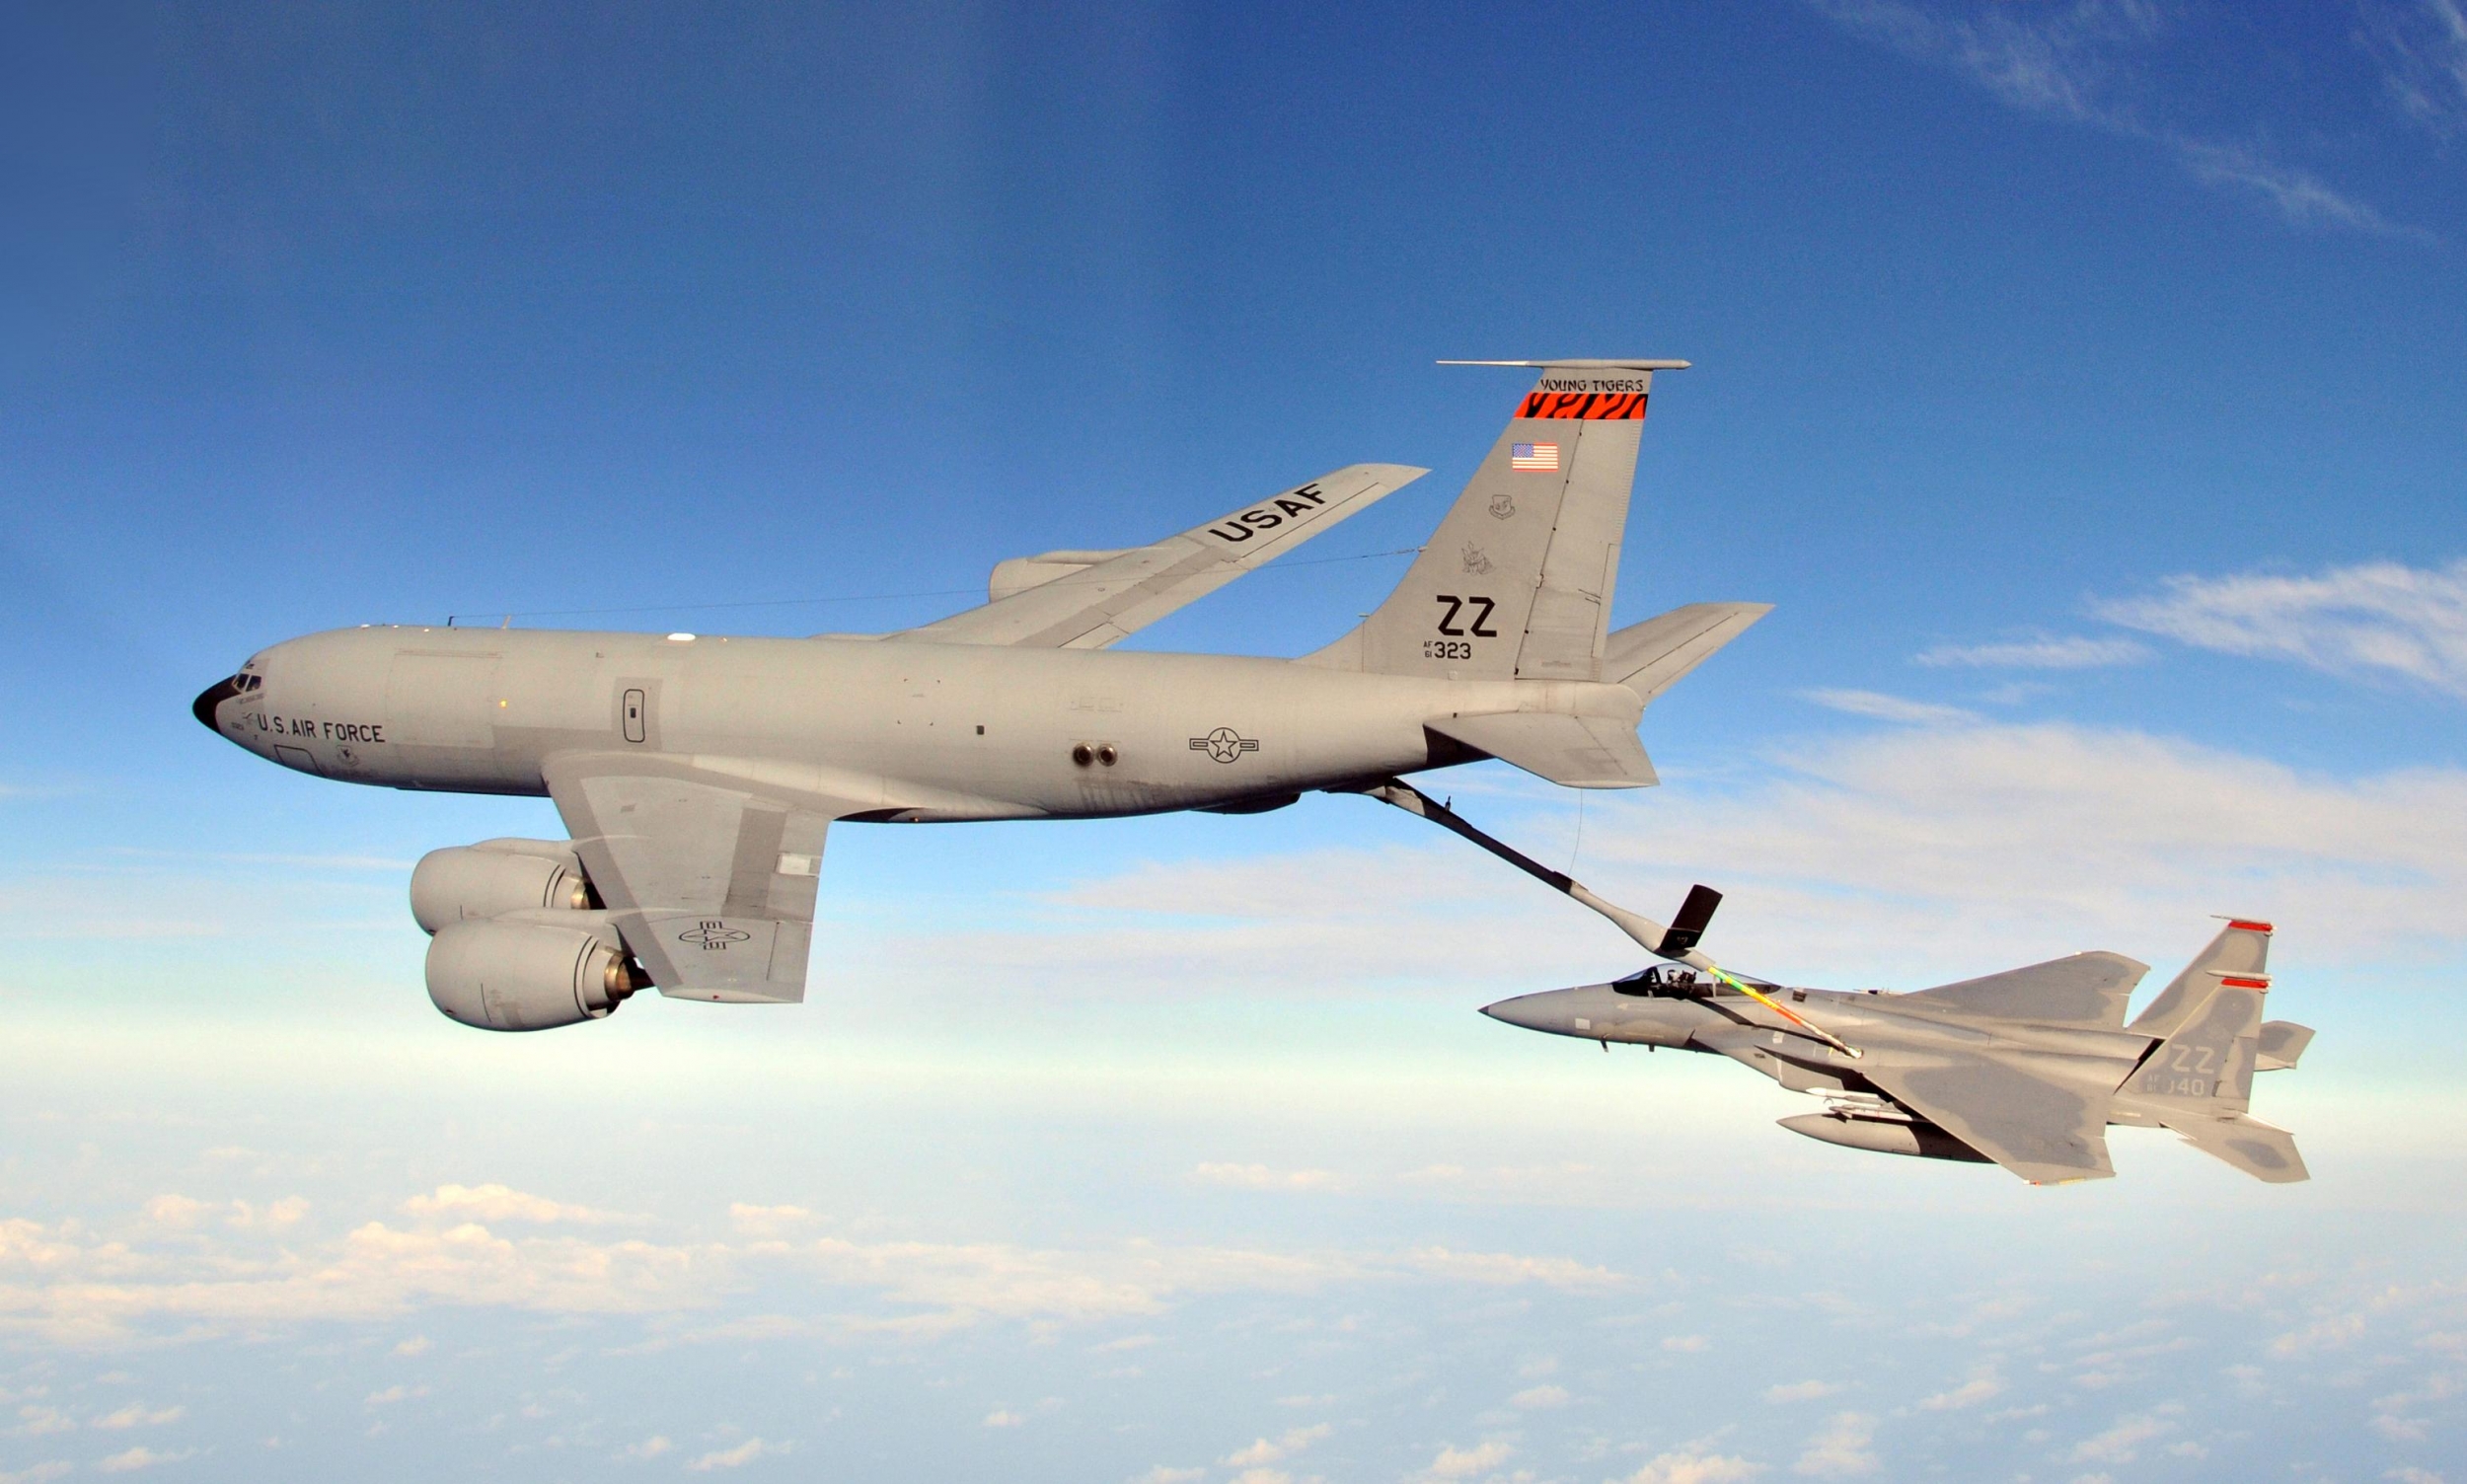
[{"x": 2079, "y": 380}]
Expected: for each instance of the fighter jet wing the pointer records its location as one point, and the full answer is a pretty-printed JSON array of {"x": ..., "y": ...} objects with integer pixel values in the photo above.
[
  {"x": 2047, "y": 1131},
  {"x": 2087, "y": 989},
  {"x": 1089, "y": 600},
  {"x": 710, "y": 877}
]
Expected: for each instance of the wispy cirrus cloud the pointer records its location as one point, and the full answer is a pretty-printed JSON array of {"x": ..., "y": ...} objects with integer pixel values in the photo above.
[
  {"x": 2421, "y": 47},
  {"x": 2074, "y": 652},
  {"x": 1884, "y": 708},
  {"x": 2377, "y": 618},
  {"x": 2085, "y": 63}
]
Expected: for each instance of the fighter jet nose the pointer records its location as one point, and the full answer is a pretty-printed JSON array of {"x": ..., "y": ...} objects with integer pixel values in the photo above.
[
  {"x": 1522, "y": 1013},
  {"x": 211, "y": 699}
]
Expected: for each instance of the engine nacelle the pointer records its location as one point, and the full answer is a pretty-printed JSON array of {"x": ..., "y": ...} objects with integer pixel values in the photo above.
[
  {"x": 495, "y": 878},
  {"x": 529, "y": 971}
]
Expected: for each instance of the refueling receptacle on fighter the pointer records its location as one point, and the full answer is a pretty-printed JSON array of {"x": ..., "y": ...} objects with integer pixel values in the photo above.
[{"x": 697, "y": 774}]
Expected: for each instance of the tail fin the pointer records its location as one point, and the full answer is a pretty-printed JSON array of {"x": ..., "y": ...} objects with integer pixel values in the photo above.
[
  {"x": 2242, "y": 947},
  {"x": 2208, "y": 1063},
  {"x": 2199, "y": 1082},
  {"x": 1518, "y": 579}
]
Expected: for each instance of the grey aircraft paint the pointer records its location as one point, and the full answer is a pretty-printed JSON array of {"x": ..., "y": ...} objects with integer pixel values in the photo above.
[
  {"x": 2025, "y": 1069},
  {"x": 697, "y": 776}
]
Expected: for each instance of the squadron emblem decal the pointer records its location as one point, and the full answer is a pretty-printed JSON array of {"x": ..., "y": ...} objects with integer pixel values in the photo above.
[
  {"x": 1225, "y": 744},
  {"x": 712, "y": 934}
]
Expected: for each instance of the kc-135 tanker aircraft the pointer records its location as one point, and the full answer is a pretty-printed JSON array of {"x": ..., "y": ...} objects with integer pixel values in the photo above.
[
  {"x": 2025, "y": 1069},
  {"x": 697, "y": 774}
]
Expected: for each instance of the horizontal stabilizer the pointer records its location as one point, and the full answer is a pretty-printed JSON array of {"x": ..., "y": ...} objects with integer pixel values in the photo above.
[
  {"x": 1574, "y": 752},
  {"x": 1652, "y": 656},
  {"x": 2260, "y": 1150},
  {"x": 2283, "y": 1043},
  {"x": 2087, "y": 989}
]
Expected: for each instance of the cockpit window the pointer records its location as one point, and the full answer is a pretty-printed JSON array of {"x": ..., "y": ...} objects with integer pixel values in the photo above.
[
  {"x": 247, "y": 682},
  {"x": 1657, "y": 980}
]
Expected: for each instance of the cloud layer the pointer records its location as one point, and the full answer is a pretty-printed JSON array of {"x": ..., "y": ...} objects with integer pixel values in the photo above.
[{"x": 2380, "y": 618}]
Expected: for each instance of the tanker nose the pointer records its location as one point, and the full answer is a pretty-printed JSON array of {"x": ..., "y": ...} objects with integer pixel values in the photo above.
[{"x": 210, "y": 699}]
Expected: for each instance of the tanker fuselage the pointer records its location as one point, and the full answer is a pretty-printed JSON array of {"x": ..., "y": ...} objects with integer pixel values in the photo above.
[{"x": 911, "y": 731}]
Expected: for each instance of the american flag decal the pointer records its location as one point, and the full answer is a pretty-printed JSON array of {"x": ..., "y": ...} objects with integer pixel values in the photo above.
[{"x": 1542, "y": 458}]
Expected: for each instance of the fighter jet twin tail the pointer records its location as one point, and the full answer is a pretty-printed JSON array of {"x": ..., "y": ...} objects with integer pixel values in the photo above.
[{"x": 697, "y": 776}]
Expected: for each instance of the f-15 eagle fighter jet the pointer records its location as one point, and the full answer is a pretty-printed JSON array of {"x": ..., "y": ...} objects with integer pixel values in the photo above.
[
  {"x": 697, "y": 774},
  {"x": 2025, "y": 1069}
]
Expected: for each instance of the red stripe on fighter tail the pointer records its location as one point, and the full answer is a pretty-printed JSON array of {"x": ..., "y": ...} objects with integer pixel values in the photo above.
[
  {"x": 2250, "y": 927},
  {"x": 2243, "y": 982}
]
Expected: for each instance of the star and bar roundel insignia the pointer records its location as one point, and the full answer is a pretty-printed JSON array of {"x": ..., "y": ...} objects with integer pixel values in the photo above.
[
  {"x": 1225, "y": 744},
  {"x": 712, "y": 934}
]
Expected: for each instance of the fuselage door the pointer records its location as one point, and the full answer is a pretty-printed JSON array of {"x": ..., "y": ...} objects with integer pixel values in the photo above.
[{"x": 632, "y": 709}]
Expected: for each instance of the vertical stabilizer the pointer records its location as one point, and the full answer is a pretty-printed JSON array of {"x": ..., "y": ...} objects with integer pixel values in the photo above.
[
  {"x": 2242, "y": 947},
  {"x": 1518, "y": 579}
]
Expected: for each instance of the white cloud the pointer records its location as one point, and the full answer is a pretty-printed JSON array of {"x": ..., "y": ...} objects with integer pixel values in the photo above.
[
  {"x": 1842, "y": 1450},
  {"x": 1695, "y": 1469},
  {"x": 1801, "y": 1391},
  {"x": 2077, "y": 652},
  {"x": 175, "y": 1211},
  {"x": 2375, "y": 619},
  {"x": 1686, "y": 1344},
  {"x": 1004, "y": 1418},
  {"x": 1162, "y": 1474},
  {"x": 2122, "y": 1443},
  {"x": 2422, "y": 45},
  {"x": 649, "y": 1448},
  {"x": 2330, "y": 1332},
  {"x": 1969, "y": 1393},
  {"x": 1291, "y": 1442},
  {"x": 67, "y": 1289},
  {"x": 1539, "y": 1398},
  {"x": 2087, "y": 63},
  {"x": 36, "y": 1421},
  {"x": 1261, "y": 1177},
  {"x": 139, "y": 1457},
  {"x": 1468, "y": 1463},
  {"x": 415, "y": 1345},
  {"x": 394, "y": 1394},
  {"x": 39, "y": 1473},
  {"x": 1886, "y": 708},
  {"x": 2410, "y": 1474},
  {"x": 738, "y": 1456},
  {"x": 498, "y": 1203},
  {"x": 1989, "y": 841},
  {"x": 138, "y": 1415}
]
